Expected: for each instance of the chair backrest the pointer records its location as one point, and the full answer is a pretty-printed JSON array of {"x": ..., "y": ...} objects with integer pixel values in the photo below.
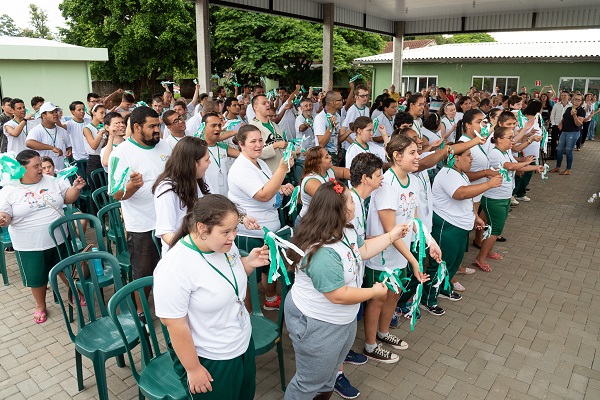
[
  {"x": 115, "y": 223},
  {"x": 81, "y": 167},
  {"x": 67, "y": 266},
  {"x": 121, "y": 302},
  {"x": 70, "y": 229},
  {"x": 157, "y": 243},
  {"x": 98, "y": 178},
  {"x": 100, "y": 197}
]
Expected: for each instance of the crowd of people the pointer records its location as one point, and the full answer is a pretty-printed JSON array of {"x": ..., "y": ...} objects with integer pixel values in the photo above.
[{"x": 389, "y": 196}]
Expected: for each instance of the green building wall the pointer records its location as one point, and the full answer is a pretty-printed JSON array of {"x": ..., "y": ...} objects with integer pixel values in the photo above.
[
  {"x": 60, "y": 82},
  {"x": 459, "y": 75}
]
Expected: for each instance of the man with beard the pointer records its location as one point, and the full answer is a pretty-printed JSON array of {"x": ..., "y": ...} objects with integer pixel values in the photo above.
[
  {"x": 145, "y": 154},
  {"x": 49, "y": 139}
]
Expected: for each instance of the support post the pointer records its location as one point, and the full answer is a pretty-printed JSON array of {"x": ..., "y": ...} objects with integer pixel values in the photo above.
[
  {"x": 398, "y": 42},
  {"x": 203, "y": 46},
  {"x": 328, "y": 19}
]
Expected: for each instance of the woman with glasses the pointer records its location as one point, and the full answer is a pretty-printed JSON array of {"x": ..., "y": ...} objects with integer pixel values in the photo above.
[{"x": 571, "y": 127}]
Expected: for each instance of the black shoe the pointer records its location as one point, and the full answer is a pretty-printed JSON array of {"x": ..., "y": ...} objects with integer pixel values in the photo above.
[
  {"x": 527, "y": 189},
  {"x": 9, "y": 249},
  {"x": 142, "y": 318},
  {"x": 501, "y": 239},
  {"x": 452, "y": 297},
  {"x": 435, "y": 310}
]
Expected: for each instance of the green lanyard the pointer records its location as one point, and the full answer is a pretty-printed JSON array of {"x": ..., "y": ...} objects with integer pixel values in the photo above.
[
  {"x": 364, "y": 212},
  {"x": 53, "y": 138},
  {"x": 194, "y": 247},
  {"x": 423, "y": 181},
  {"x": 261, "y": 170},
  {"x": 218, "y": 158},
  {"x": 25, "y": 127},
  {"x": 356, "y": 264}
]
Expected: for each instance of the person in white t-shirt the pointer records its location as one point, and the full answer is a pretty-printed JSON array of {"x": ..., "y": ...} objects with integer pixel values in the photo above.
[
  {"x": 28, "y": 207},
  {"x": 448, "y": 114},
  {"x": 363, "y": 126},
  {"x": 366, "y": 176},
  {"x": 256, "y": 90},
  {"x": 394, "y": 203},
  {"x": 48, "y": 138},
  {"x": 322, "y": 306},
  {"x": 462, "y": 106},
  {"x": 385, "y": 120},
  {"x": 114, "y": 125},
  {"x": 144, "y": 154},
  {"x": 415, "y": 105},
  {"x": 216, "y": 175},
  {"x": 259, "y": 192},
  {"x": 17, "y": 128},
  {"x": 199, "y": 292},
  {"x": 75, "y": 129},
  {"x": 95, "y": 137},
  {"x": 176, "y": 125},
  {"x": 358, "y": 109},
  {"x": 286, "y": 113},
  {"x": 304, "y": 131},
  {"x": 327, "y": 125}
]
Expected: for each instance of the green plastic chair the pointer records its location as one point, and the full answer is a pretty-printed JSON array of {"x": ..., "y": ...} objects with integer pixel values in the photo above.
[
  {"x": 84, "y": 202},
  {"x": 115, "y": 232},
  {"x": 98, "y": 178},
  {"x": 156, "y": 377},
  {"x": 5, "y": 241},
  {"x": 157, "y": 243},
  {"x": 98, "y": 339},
  {"x": 101, "y": 197}
]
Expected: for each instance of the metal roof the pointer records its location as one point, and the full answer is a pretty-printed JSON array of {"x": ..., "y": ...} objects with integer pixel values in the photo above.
[
  {"x": 525, "y": 51},
  {"x": 22, "y": 48}
]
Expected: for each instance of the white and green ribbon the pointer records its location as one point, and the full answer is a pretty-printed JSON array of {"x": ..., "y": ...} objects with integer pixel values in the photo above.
[
  {"x": 11, "y": 169},
  {"x": 392, "y": 280},
  {"x": 293, "y": 203},
  {"x": 231, "y": 123},
  {"x": 419, "y": 244},
  {"x": 271, "y": 94},
  {"x": 442, "y": 276},
  {"x": 545, "y": 173},
  {"x": 200, "y": 131},
  {"x": 116, "y": 184},
  {"x": 141, "y": 104},
  {"x": 413, "y": 311},
  {"x": 544, "y": 141},
  {"x": 521, "y": 119},
  {"x": 277, "y": 247},
  {"x": 68, "y": 171},
  {"x": 375, "y": 124},
  {"x": 503, "y": 172},
  {"x": 487, "y": 232},
  {"x": 485, "y": 131},
  {"x": 355, "y": 77}
]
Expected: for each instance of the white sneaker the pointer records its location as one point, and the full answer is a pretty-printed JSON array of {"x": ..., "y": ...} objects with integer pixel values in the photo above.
[
  {"x": 524, "y": 198},
  {"x": 513, "y": 202},
  {"x": 458, "y": 287}
]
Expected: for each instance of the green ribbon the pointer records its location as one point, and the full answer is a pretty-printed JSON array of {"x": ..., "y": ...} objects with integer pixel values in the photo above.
[
  {"x": 277, "y": 246},
  {"x": 141, "y": 104},
  {"x": 303, "y": 89},
  {"x": 392, "y": 280},
  {"x": 442, "y": 276},
  {"x": 164, "y": 83},
  {"x": 293, "y": 203},
  {"x": 375, "y": 124},
  {"x": 195, "y": 81},
  {"x": 522, "y": 119},
  {"x": 200, "y": 132},
  {"x": 355, "y": 77},
  {"x": 69, "y": 170},
  {"x": 116, "y": 184},
  {"x": 230, "y": 123},
  {"x": 330, "y": 124},
  {"x": 544, "y": 174},
  {"x": 11, "y": 169},
  {"x": 485, "y": 131},
  {"x": 236, "y": 84},
  {"x": 414, "y": 311},
  {"x": 544, "y": 141},
  {"x": 504, "y": 173},
  {"x": 271, "y": 94},
  {"x": 419, "y": 244},
  {"x": 487, "y": 232}
]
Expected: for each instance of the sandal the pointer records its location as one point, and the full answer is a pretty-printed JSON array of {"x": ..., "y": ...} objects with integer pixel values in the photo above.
[
  {"x": 39, "y": 317},
  {"x": 467, "y": 271},
  {"x": 485, "y": 267},
  {"x": 494, "y": 256},
  {"x": 565, "y": 172},
  {"x": 555, "y": 170}
]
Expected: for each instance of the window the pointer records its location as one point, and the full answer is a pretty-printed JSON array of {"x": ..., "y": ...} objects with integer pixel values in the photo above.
[
  {"x": 416, "y": 83},
  {"x": 582, "y": 85},
  {"x": 505, "y": 84}
]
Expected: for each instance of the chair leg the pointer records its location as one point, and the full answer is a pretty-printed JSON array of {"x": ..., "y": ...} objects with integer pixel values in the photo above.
[
  {"x": 140, "y": 395},
  {"x": 3, "y": 266},
  {"x": 79, "y": 369},
  {"x": 281, "y": 365},
  {"x": 100, "y": 371},
  {"x": 120, "y": 361}
]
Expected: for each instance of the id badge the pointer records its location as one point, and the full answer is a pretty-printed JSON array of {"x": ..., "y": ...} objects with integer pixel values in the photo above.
[
  {"x": 221, "y": 178},
  {"x": 242, "y": 319}
]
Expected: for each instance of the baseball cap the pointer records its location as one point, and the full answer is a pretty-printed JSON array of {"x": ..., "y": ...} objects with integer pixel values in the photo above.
[{"x": 47, "y": 106}]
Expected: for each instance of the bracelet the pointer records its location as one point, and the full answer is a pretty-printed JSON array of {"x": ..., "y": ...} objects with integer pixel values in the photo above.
[
  {"x": 241, "y": 218},
  {"x": 390, "y": 235}
]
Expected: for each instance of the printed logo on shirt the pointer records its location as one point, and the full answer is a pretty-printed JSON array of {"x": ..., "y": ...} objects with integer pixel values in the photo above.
[
  {"x": 408, "y": 205},
  {"x": 164, "y": 157},
  {"x": 39, "y": 201}
]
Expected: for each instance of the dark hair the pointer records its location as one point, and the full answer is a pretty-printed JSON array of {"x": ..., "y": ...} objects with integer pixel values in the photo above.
[
  {"x": 14, "y": 102},
  {"x": 229, "y": 101},
  {"x": 157, "y": 97},
  {"x": 397, "y": 143},
  {"x": 412, "y": 99},
  {"x": 166, "y": 115},
  {"x": 140, "y": 114},
  {"x": 112, "y": 115},
  {"x": 96, "y": 108},
  {"x": 387, "y": 102},
  {"x": 210, "y": 106},
  {"x": 324, "y": 222},
  {"x": 360, "y": 87},
  {"x": 360, "y": 123},
  {"x": 256, "y": 87},
  {"x": 462, "y": 101},
  {"x": 404, "y": 131},
  {"x": 202, "y": 96},
  {"x": 180, "y": 103},
  {"x": 209, "y": 210},
  {"x": 403, "y": 118},
  {"x": 47, "y": 159},
  {"x": 467, "y": 118},
  {"x": 128, "y": 97},
  {"x": 494, "y": 112},
  {"x": 6, "y": 100},
  {"x": 432, "y": 122},
  {"x": 500, "y": 132},
  {"x": 364, "y": 164},
  {"x": 74, "y": 105},
  {"x": 505, "y": 116},
  {"x": 514, "y": 99},
  {"x": 180, "y": 170},
  {"x": 92, "y": 95},
  {"x": 484, "y": 102},
  {"x": 219, "y": 88},
  {"x": 24, "y": 156},
  {"x": 312, "y": 161},
  {"x": 242, "y": 134},
  {"x": 329, "y": 98},
  {"x": 206, "y": 116},
  {"x": 533, "y": 107},
  {"x": 36, "y": 99}
]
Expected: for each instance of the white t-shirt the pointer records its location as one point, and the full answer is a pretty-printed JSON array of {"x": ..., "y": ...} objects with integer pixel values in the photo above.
[
  {"x": 480, "y": 154},
  {"x": 448, "y": 124},
  {"x": 169, "y": 211},
  {"x": 75, "y": 131},
  {"x": 56, "y": 137},
  {"x": 16, "y": 144},
  {"x": 138, "y": 210},
  {"x": 308, "y": 135},
  {"x": 418, "y": 126},
  {"x": 250, "y": 114},
  {"x": 307, "y": 198},
  {"x": 321, "y": 124},
  {"x": 185, "y": 285},
  {"x": 351, "y": 115},
  {"x": 245, "y": 180},
  {"x": 457, "y": 212},
  {"x": 360, "y": 215},
  {"x": 403, "y": 201},
  {"x": 192, "y": 124},
  {"x": 288, "y": 122},
  {"x": 218, "y": 169},
  {"x": 497, "y": 160},
  {"x": 534, "y": 148},
  {"x": 87, "y": 146},
  {"x": 356, "y": 148},
  {"x": 376, "y": 113},
  {"x": 388, "y": 124},
  {"x": 172, "y": 141},
  {"x": 312, "y": 302},
  {"x": 424, "y": 197},
  {"x": 33, "y": 208},
  {"x": 431, "y": 136}
]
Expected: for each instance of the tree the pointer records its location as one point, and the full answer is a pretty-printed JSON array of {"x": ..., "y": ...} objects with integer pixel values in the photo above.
[
  {"x": 145, "y": 38},
  {"x": 7, "y": 26},
  {"x": 458, "y": 38},
  {"x": 38, "y": 20}
]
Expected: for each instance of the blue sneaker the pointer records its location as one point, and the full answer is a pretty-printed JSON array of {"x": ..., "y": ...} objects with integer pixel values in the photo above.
[
  {"x": 344, "y": 388},
  {"x": 395, "y": 322},
  {"x": 355, "y": 358}
]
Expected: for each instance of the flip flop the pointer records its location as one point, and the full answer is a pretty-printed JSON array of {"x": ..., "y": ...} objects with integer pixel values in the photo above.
[
  {"x": 495, "y": 256},
  {"x": 39, "y": 317},
  {"x": 484, "y": 267}
]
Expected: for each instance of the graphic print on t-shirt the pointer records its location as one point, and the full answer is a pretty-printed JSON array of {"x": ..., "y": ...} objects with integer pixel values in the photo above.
[
  {"x": 40, "y": 200},
  {"x": 408, "y": 204}
]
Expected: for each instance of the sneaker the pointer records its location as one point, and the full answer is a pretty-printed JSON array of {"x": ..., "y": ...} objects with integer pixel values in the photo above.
[
  {"x": 272, "y": 305},
  {"x": 435, "y": 310},
  {"x": 382, "y": 355},
  {"x": 452, "y": 297},
  {"x": 523, "y": 198},
  {"x": 458, "y": 287},
  {"x": 344, "y": 388},
  {"x": 393, "y": 341},
  {"x": 513, "y": 202},
  {"x": 9, "y": 249},
  {"x": 355, "y": 358},
  {"x": 395, "y": 322},
  {"x": 142, "y": 318}
]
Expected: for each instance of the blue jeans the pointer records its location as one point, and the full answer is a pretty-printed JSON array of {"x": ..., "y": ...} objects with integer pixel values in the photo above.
[
  {"x": 567, "y": 141},
  {"x": 591, "y": 133}
]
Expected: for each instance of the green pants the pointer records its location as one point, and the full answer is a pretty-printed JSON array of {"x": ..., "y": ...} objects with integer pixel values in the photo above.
[
  {"x": 453, "y": 242},
  {"x": 521, "y": 183},
  {"x": 233, "y": 379}
]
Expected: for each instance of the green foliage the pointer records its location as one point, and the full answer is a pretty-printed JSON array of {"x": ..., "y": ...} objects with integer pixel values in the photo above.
[
  {"x": 458, "y": 38},
  {"x": 38, "y": 20},
  {"x": 145, "y": 38},
  {"x": 7, "y": 26}
]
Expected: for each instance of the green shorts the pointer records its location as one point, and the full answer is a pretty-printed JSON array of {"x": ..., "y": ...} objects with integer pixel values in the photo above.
[
  {"x": 372, "y": 276},
  {"x": 36, "y": 265},
  {"x": 496, "y": 212}
]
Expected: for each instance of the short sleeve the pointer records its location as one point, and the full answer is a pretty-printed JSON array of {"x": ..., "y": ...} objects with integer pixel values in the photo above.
[
  {"x": 326, "y": 270},
  {"x": 115, "y": 157},
  {"x": 67, "y": 140},
  {"x": 166, "y": 203},
  {"x": 386, "y": 198},
  {"x": 451, "y": 184},
  {"x": 172, "y": 289},
  {"x": 320, "y": 125},
  {"x": 249, "y": 181},
  {"x": 360, "y": 241},
  {"x": 5, "y": 206},
  {"x": 63, "y": 186}
]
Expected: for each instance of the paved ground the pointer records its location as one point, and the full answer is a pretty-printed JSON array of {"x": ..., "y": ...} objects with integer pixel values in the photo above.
[{"x": 527, "y": 330}]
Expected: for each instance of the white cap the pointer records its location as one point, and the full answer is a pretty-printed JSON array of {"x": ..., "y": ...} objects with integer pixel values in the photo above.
[{"x": 47, "y": 106}]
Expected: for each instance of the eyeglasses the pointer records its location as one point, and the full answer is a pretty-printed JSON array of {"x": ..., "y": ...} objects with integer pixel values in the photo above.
[
  {"x": 363, "y": 96},
  {"x": 177, "y": 120}
]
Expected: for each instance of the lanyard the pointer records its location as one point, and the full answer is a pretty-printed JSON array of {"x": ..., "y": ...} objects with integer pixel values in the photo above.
[
  {"x": 18, "y": 123},
  {"x": 53, "y": 138},
  {"x": 346, "y": 243},
  {"x": 423, "y": 181},
  {"x": 465, "y": 177},
  {"x": 261, "y": 170},
  {"x": 218, "y": 158},
  {"x": 362, "y": 207},
  {"x": 193, "y": 246}
]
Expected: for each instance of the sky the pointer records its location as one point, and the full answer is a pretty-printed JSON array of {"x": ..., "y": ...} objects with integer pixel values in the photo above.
[{"x": 19, "y": 12}]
